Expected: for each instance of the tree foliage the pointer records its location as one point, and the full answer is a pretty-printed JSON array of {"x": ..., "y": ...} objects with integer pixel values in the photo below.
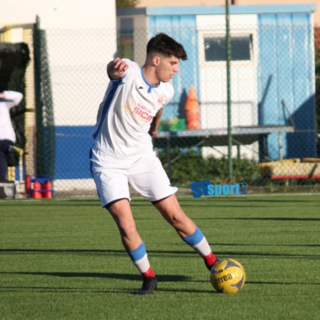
[{"x": 126, "y": 3}]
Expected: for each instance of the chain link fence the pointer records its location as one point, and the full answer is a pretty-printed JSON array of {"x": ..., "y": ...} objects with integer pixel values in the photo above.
[{"x": 274, "y": 115}]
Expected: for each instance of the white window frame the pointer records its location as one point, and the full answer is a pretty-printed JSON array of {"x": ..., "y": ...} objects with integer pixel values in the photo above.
[{"x": 221, "y": 33}]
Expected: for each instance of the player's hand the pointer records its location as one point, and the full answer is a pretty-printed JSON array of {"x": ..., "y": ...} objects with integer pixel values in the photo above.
[
  {"x": 116, "y": 69},
  {"x": 153, "y": 131},
  {"x": 120, "y": 65}
]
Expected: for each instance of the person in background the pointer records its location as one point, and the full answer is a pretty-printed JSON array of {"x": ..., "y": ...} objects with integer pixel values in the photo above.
[{"x": 8, "y": 100}]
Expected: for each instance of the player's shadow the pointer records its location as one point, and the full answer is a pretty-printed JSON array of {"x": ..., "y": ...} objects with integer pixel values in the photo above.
[
  {"x": 114, "y": 276},
  {"x": 187, "y": 290},
  {"x": 117, "y": 276},
  {"x": 66, "y": 290}
]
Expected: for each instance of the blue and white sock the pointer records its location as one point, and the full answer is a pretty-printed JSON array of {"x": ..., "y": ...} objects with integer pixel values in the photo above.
[
  {"x": 140, "y": 259},
  {"x": 198, "y": 242}
]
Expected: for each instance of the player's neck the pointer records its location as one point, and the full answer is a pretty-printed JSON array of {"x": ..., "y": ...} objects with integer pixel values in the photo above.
[{"x": 150, "y": 75}]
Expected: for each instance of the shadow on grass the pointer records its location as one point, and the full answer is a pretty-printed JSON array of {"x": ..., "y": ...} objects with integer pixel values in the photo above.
[
  {"x": 65, "y": 290},
  {"x": 261, "y": 219},
  {"x": 118, "y": 276},
  {"x": 82, "y": 204},
  {"x": 85, "y": 251},
  {"x": 50, "y": 204},
  {"x": 115, "y": 276},
  {"x": 187, "y": 291},
  {"x": 262, "y": 245},
  {"x": 247, "y": 199},
  {"x": 91, "y": 290},
  {"x": 166, "y": 253},
  {"x": 282, "y": 283}
]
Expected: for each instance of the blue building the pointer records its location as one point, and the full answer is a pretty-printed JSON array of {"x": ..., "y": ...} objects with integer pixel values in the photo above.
[{"x": 272, "y": 68}]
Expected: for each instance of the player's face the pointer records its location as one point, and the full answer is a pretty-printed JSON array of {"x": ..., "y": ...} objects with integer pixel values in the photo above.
[{"x": 167, "y": 68}]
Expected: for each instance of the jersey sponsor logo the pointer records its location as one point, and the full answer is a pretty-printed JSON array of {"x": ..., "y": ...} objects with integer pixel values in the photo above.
[
  {"x": 140, "y": 106},
  {"x": 143, "y": 114},
  {"x": 139, "y": 112}
]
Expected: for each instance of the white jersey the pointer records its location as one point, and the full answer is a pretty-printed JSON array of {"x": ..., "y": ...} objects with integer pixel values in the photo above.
[
  {"x": 11, "y": 99},
  {"x": 126, "y": 112}
]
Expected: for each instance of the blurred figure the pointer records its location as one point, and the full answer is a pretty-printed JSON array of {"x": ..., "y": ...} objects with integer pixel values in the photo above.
[{"x": 8, "y": 100}]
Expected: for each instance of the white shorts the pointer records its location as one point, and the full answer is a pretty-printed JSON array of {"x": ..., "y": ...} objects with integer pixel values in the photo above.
[{"x": 146, "y": 175}]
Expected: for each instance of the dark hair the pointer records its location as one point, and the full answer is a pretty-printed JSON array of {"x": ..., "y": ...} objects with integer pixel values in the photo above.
[{"x": 163, "y": 44}]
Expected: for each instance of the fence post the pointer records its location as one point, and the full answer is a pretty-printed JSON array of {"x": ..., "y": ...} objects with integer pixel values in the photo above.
[
  {"x": 45, "y": 129},
  {"x": 228, "y": 59}
]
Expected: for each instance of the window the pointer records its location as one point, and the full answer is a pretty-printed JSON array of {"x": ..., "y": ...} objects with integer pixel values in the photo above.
[
  {"x": 125, "y": 38},
  {"x": 215, "y": 48}
]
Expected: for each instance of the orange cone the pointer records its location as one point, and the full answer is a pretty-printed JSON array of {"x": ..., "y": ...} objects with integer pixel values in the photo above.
[{"x": 192, "y": 110}]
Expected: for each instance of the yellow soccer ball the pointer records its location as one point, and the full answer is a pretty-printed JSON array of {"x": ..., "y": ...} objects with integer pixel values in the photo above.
[{"x": 227, "y": 276}]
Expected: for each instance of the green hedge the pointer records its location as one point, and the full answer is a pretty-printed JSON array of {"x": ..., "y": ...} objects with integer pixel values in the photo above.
[{"x": 194, "y": 167}]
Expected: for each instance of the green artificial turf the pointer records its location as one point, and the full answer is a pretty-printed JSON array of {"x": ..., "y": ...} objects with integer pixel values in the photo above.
[{"x": 62, "y": 259}]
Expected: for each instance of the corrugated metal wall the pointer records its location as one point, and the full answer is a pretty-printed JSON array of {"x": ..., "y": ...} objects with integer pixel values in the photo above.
[{"x": 286, "y": 73}]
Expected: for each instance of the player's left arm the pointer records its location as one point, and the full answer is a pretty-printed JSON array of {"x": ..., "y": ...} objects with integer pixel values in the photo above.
[{"x": 155, "y": 123}]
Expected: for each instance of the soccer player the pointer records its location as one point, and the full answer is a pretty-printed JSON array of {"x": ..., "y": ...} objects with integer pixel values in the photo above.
[{"x": 122, "y": 151}]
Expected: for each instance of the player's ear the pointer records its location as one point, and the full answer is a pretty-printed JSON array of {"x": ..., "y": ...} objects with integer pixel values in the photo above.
[{"x": 156, "y": 60}]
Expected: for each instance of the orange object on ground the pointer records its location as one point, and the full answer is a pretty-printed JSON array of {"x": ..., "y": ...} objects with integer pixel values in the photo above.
[
  {"x": 192, "y": 110},
  {"x": 28, "y": 184},
  {"x": 48, "y": 193},
  {"x": 36, "y": 194}
]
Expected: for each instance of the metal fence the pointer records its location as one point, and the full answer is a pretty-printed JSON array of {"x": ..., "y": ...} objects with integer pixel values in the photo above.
[{"x": 274, "y": 116}]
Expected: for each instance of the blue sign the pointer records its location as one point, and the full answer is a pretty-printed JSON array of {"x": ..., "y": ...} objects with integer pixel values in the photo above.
[{"x": 205, "y": 188}]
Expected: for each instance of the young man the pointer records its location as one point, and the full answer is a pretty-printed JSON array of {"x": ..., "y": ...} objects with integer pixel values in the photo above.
[
  {"x": 122, "y": 151},
  {"x": 8, "y": 100}
]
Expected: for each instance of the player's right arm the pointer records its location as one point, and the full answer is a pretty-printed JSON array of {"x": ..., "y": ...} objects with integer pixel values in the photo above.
[
  {"x": 155, "y": 123},
  {"x": 116, "y": 68},
  {"x": 13, "y": 98}
]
